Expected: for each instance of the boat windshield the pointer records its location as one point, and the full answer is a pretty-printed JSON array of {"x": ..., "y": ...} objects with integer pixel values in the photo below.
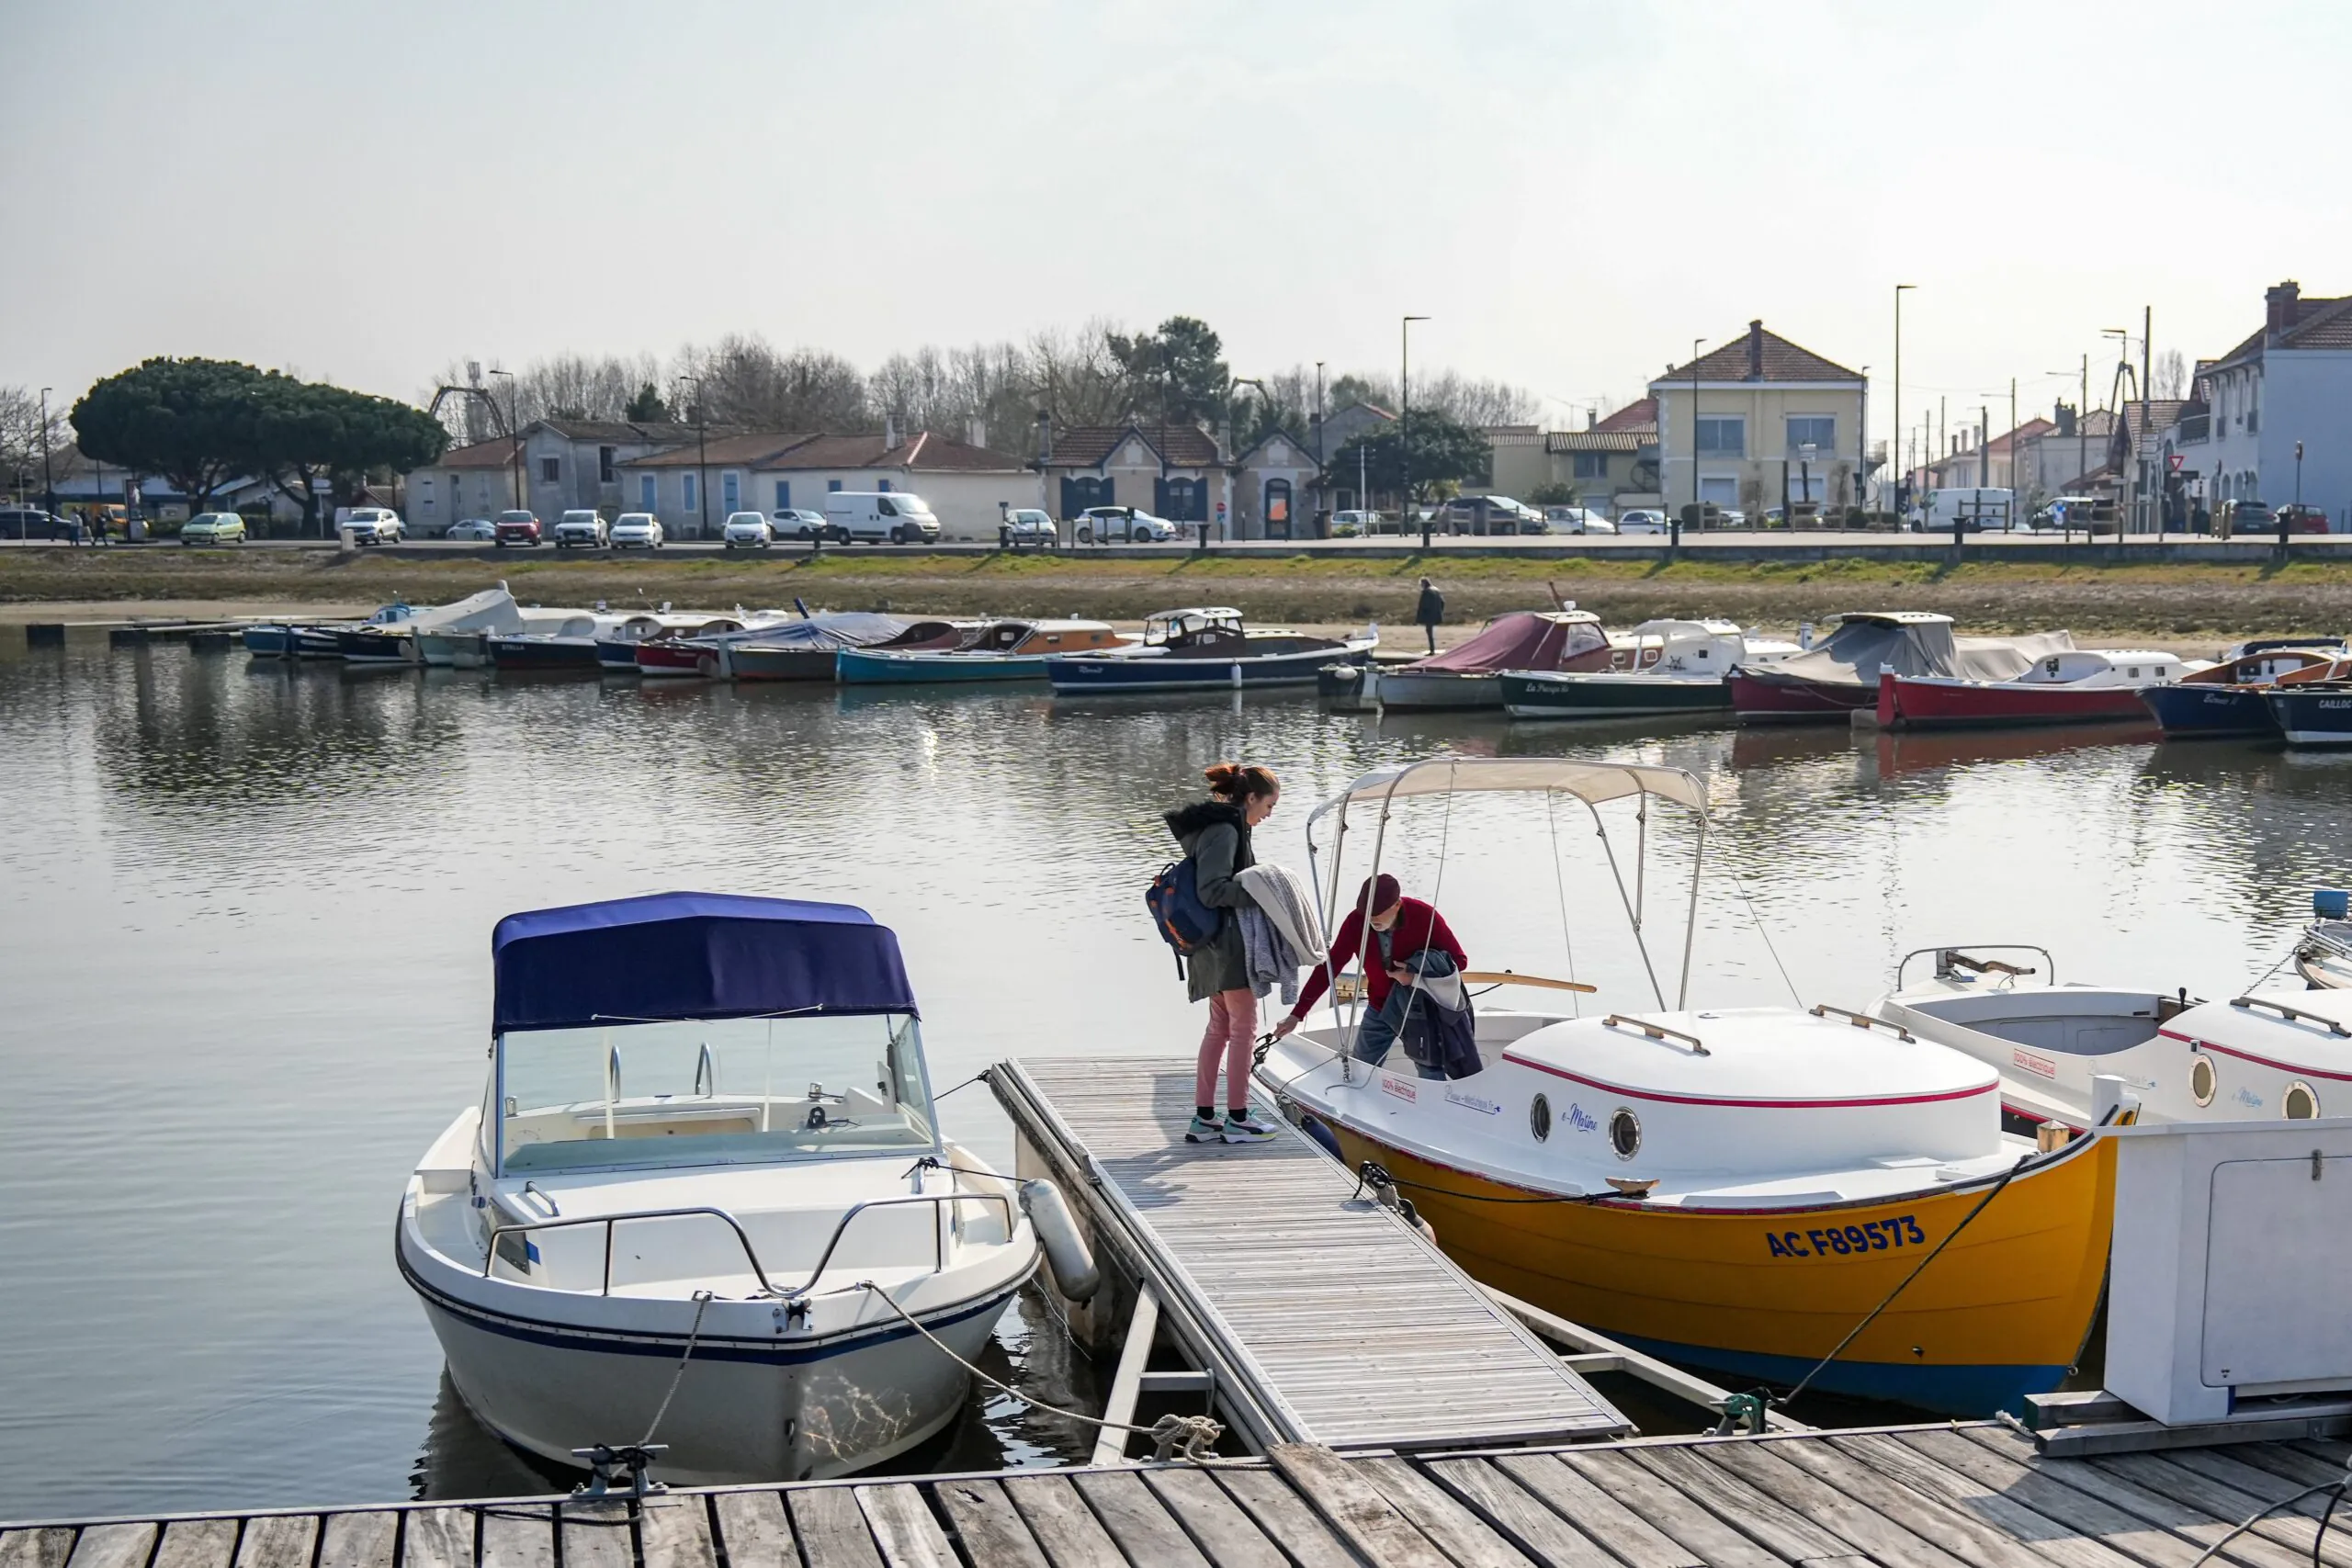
[{"x": 725, "y": 1091}]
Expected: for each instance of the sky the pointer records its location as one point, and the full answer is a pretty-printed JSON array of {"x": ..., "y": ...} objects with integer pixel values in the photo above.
[{"x": 1572, "y": 192}]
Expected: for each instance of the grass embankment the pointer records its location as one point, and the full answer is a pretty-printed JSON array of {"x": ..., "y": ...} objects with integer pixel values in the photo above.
[{"x": 2177, "y": 601}]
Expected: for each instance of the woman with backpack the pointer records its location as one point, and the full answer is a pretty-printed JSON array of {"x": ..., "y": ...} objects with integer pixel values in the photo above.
[{"x": 1214, "y": 834}]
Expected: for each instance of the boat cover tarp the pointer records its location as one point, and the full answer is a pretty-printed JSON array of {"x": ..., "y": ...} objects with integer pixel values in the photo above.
[
  {"x": 1523, "y": 639},
  {"x": 491, "y": 610},
  {"x": 1858, "y": 650},
  {"x": 846, "y": 629},
  {"x": 692, "y": 955}
]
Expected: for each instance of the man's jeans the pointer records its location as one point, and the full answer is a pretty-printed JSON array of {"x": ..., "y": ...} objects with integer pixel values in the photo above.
[{"x": 1376, "y": 1032}]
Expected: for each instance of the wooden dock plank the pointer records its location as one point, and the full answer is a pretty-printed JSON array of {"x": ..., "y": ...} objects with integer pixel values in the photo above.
[
  {"x": 2288, "y": 1461},
  {"x": 753, "y": 1530},
  {"x": 2193, "y": 1481},
  {"x": 2045, "y": 1492},
  {"x": 987, "y": 1523},
  {"x": 598, "y": 1533},
  {"x": 1138, "y": 1522},
  {"x": 903, "y": 1528},
  {"x": 1267, "y": 1498},
  {"x": 1226, "y": 1536},
  {"x": 47, "y": 1548},
  {"x": 1065, "y": 1527},
  {"x": 1966, "y": 1537},
  {"x": 197, "y": 1543},
  {"x": 365, "y": 1540},
  {"x": 1777, "y": 1529},
  {"x": 2168, "y": 1509},
  {"x": 278, "y": 1540},
  {"x": 1664, "y": 1506},
  {"x": 673, "y": 1531},
  {"x": 117, "y": 1546},
  {"x": 1522, "y": 1518},
  {"x": 2058, "y": 1543},
  {"x": 1870, "y": 1531},
  {"x": 521, "y": 1536},
  {"x": 1451, "y": 1527},
  {"x": 1354, "y": 1507},
  {"x": 438, "y": 1538},
  {"x": 832, "y": 1528},
  {"x": 1593, "y": 1512}
]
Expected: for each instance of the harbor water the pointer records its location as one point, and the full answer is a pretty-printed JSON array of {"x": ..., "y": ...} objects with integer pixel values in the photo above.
[{"x": 244, "y": 969}]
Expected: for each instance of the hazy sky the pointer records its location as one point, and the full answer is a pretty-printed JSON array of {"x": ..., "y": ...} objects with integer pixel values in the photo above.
[{"x": 1573, "y": 191}]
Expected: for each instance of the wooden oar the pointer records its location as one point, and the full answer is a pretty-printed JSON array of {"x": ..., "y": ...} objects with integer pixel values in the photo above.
[{"x": 1506, "y": 977}]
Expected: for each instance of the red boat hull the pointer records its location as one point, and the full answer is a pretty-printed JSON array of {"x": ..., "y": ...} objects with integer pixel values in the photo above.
[
  {"x": 672, "y": 659},
  {"x": 1907, "y": 703},
  {"x": 1765, "y": 697}
]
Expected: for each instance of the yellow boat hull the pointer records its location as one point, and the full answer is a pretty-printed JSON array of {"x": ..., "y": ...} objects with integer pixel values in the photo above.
[{"x": 2002, "y": 1312}]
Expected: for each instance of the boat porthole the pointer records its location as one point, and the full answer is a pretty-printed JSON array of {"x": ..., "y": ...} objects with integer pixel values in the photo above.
[
  {"x": 2204, "y": 1083},
  {"x": 1539, "y": 1118},
  {"x": 1625, "y": 1134},
  {"x": 2299, "y": 1103}
]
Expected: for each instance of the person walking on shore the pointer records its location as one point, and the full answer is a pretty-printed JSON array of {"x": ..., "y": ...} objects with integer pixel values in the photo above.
[
  {"x": 1214, "y": 834},
  {"x": 1428, "y": 610}
]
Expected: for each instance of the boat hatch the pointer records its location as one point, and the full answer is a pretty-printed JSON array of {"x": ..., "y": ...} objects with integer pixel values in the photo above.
[{"x": 716, "y": 1091}]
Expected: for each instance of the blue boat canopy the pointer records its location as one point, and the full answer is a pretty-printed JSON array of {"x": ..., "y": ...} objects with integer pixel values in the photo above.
[{"x": 679, "y": 955}]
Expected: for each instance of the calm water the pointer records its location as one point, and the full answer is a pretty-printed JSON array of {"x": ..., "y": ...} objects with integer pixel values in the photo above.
[{"x": 243, "y": 975}]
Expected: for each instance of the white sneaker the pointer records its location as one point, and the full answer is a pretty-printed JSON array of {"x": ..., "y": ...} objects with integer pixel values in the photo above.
[
  {"x": 1204, "y": 1130},
  {"x": 1246, "y": 1128}
]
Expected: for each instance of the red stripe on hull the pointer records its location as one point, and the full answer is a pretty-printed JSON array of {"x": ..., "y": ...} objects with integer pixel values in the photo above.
[
  {"x": 1904, "y": 704},
  {"x": 1757, "y": 1104}
]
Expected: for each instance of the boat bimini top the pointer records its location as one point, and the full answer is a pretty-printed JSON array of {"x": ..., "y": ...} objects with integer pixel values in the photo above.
[{"x": 1593, "y": 782}]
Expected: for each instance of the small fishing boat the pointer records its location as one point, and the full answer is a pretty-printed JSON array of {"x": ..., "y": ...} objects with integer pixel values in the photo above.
[
  {"x": 313, "y": 639},
  {"x": 694, "y": 657},
  {"x": 2323, "y": 957},
  {"x": 490, "y": 611},
  {"x": 2081, "y": 685},
  {"x": 2066, "y": 1051},
  {"x": 2227, "y": 699},
  {"x": 1470, "y": 676},
  {"x": 2313, "y": 711},
  {"x": 807, "y": 651},
  {"x": 1677, "y": 667},
  {"x": 1753, "y": 1190},
  {"x": 583, "y": 653},
  {"x": 1204, "y": 650},
  {"x": 616, "y": 646},
  {"x": 1838, "y": 676},
  {"x": 1001, "y": 650},
  {"x": 704, "y": 1201}
]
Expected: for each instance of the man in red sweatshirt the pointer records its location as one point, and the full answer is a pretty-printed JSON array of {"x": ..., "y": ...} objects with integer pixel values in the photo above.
[{"x": 1402, "y": 928}]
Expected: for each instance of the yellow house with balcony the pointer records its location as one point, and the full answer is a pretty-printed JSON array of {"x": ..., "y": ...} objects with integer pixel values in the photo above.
[{"x": 1758, "y": 422}]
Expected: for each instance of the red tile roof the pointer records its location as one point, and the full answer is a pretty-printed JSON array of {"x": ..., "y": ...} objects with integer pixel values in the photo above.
[
  {"x": 751, "y": 450},
  {"x": 2318, "y": 323},
  {"x": 1760, "y": 355},
  {"x": 1179, "y": 445},
  {"x": 1640, "y": 416},
  {"x": 493, "y": 454},
  {"x": 1599, "y": 440}
]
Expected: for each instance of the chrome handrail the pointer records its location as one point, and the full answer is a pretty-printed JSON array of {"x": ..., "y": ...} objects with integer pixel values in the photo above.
[
  {"x": 1958, "y": 949},
  {"x": 2294, "y": 1014},
  {"x": 750, "y": 1254},
  {"x": 1862, "y": 1019},
  {"x": 1655, "y": 1032},
  {"x": 939, "y": 1264}
]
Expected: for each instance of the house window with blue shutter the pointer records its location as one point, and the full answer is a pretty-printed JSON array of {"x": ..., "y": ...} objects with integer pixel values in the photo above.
[
  {"x": 730, "y": 490},
  {"x": 833, "y": 485},
  {"x": 882, "y": 485},
  {"x": 645, "y": 492},
  {"x": 784, "y": 495}
]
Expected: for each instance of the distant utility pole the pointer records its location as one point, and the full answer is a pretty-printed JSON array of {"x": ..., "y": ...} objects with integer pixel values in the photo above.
[
  {"x": 702, "y": 461},
  {"x": 1698, "y": 507},
  {"x": 48, "y": 481},
  {"x": 514, "y": 438},
  {"x": 1895, "y": 425},
  {"x": 1405, "y": 422}
]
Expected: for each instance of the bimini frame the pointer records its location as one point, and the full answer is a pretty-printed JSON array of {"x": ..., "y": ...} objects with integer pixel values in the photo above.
[{"x": 1592, "y": 783}]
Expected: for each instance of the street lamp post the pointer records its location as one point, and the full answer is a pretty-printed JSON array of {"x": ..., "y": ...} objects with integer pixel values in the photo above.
[
  {"x": 702, "y": 461},
  {"x": 513, "y": 437},
  {"x": 1405, "y": 422},
  {"x": 48, "y": 481},
  {"x": 1698, "y": 513},
  {"x": 1903, "y": 484}
]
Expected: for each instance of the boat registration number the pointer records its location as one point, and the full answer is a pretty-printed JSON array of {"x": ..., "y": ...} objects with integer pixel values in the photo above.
[{"x": 1876, "y": 1236}]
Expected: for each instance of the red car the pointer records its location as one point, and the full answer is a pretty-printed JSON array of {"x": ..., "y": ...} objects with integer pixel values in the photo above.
[{"x": 517, "y": 528}]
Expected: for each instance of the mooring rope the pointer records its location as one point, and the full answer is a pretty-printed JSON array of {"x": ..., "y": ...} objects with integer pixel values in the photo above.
[{"x": 702, "y": 1303}]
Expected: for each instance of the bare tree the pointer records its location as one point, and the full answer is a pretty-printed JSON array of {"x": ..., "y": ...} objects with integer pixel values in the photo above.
[
  {"x": 21, "y": 431},
  {"x": 2172, "y": 374}
]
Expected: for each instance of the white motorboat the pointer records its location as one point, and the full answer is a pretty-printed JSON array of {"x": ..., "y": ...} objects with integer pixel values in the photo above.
[
  {"x": 469, "y": 647},
  {"x": 493, "y": 609},
  {"x": 2065, "y": 1050},
  {"x": 1670, "y": 667},
  {"x": 704, "y": 1193},
  {"x": 1739, "y": 1188}
]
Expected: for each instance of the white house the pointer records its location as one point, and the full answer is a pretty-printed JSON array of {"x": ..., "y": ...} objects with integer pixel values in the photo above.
[
  {"x": 1175, "y": 470},
  {"x": 2286, "y": 386},
  {"x": 1757, "y": 419},
  {"x": 968, "y": 487},
  {"x": 559, "y": 465}
]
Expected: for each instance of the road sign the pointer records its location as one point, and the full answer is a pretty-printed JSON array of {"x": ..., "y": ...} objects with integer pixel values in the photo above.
[{"x": 2176, "y": 460}]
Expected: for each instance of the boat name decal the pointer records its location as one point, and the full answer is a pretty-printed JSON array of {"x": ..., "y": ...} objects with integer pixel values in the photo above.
[
  {"x": 1581, "y": 1119},
  {"x": 1875, "y": 1236},
  {"x": 2034, "y": 1064},
  {"x": 1402, "y": 1088},
  {"x": 2249, "y": 1098},
  {"x": 1472, "y": 1102}
]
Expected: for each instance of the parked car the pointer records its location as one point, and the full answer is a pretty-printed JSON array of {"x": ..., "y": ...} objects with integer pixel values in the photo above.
[
  {"x": 1028, "y": 525},
  {"x": 799, "y": 522},
  {"x": 636, "y": 531},
  {"x": 900, "y": 518},
  {"x": 1642, "y": 520},
  {"x": 520, "y": 527},
  {"x": 584, "y": 527},
  {"x": 33, "y": 523},
  {"x": 2302, "y": 519},
  {"x": 1489, "y": 514},
  {"x": 481, "y": 530},
  {"x": 371, "y": 525},
  {"x": 1123, "y": 524},
  {"x": 1354, "y": 521},
  {"x": 213, "y": 528},
  {"x": 748, "y": 529},
  {"x": 1576, "y": 520}
]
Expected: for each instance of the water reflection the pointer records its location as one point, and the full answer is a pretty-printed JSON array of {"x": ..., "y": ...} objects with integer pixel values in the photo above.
[{"x": 246, "y": 959}]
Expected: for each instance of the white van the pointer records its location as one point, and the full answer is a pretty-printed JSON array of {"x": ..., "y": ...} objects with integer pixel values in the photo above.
[{"x": 873, "y": 518}]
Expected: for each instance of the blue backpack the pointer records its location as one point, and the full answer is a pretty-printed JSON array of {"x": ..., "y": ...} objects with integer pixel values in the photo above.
[{"x": 1184, "y": 921}]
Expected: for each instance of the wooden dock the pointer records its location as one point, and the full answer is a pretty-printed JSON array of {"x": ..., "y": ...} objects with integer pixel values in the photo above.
[
  {"x": 1320, "y": 1316},
  {"x": 1957, "y": 1496}
]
